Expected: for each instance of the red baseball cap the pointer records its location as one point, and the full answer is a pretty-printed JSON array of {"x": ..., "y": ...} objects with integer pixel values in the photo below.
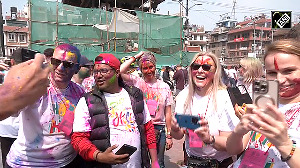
[{"x": 108, "y": 59}]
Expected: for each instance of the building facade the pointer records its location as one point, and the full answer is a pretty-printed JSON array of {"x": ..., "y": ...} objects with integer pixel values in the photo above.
[
  {"x": 248, "y": 39},
  {"x": 16, "y": 32},
  {"x": 197, "y": 39}
]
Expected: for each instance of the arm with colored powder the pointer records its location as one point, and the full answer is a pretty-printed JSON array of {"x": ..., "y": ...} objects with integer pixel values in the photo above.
[
  {"x": 24, "y": 84},
  {"x": 125, "y": 66}
]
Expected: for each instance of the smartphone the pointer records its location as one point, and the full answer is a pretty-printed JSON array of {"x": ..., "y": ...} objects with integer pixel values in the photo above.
[
  {"x": 27, "y": 54},
  {"x": 126, "y": 149},
  {"x": 188, "y": 121},
  {"x": 265, "y": 91}
]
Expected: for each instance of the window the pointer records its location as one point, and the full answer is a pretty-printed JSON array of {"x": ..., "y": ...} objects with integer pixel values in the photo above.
[
  {"x": 11, "y": 37},
  {"x": 201, "y": 37},
  {"x": 22, "y": 38},
  {"x": 11, "y": 50}
]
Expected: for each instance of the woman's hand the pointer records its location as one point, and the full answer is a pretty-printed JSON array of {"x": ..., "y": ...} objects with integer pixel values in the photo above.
[
  {"x": 273, "y": 125},
  {"x": 239, "y": 111},
  {"x": 243, "y": 126},
  {"x": 176, "y": 131},
  {"x": 203, "y": 131},
  {"x": 174, "y": 125}
]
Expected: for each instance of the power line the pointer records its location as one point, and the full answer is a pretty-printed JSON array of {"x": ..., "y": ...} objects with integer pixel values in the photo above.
[{"x": 247, "y": 8}]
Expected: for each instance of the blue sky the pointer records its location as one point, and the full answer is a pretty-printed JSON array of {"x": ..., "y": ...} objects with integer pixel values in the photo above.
[{"x": 209, "y": 12}]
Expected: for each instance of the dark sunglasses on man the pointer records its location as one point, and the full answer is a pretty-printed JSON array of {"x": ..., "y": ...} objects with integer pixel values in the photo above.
[
  {"x": 66, "y": 64},
  {"x": 205, "y": 67}
]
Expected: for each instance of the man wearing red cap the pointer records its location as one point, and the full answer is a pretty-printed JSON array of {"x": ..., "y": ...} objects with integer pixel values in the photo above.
[{"x": 111, "y": 115}]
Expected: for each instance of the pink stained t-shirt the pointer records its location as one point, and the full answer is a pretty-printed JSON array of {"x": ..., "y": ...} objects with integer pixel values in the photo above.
[{"x": 157, "y": 96}]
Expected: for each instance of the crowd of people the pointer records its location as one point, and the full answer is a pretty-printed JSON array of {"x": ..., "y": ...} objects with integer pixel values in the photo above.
[{"x": 74, "y": 112}]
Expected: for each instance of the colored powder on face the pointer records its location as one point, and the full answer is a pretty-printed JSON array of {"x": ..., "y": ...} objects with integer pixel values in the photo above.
[
  {"x": 112, "y": 79},
  {"x": 275, "y": 63},
  {"x": 204, "y": 61},
  {"x": 67, "y": 48}
]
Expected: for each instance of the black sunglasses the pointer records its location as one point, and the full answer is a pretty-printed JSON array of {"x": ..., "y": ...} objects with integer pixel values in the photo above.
[
  {"x": 205, "y": 67},
  {"x": 66, "y": 64}
]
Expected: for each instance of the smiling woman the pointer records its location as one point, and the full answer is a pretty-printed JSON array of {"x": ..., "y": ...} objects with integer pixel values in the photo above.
[
  {"x": 157, "y": 95},
  {"x": 207, "y": 98},
  {"x": 277, "y": 130}
]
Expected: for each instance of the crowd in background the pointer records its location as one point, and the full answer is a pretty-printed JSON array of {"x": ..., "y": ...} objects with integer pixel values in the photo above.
[{"x": 85, "y": 110}]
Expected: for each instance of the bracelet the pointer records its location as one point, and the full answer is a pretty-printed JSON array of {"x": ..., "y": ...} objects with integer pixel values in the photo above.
[
  {"x": 97, "y": 155},
  {"x": 291, "y": 153},
  {"x": 212, "y": 141},
  {"x": 133, "y": 58}
]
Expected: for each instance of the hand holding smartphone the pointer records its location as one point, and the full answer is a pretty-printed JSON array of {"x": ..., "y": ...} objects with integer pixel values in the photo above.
[
  {"x": 188, "y": 121},
  {"x": 126, "y": 149}
]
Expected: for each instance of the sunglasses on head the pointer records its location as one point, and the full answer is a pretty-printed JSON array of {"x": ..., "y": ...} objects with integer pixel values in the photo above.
[
  {"x": 66, "y": 64},
  {"x": 205, "y": 67}
]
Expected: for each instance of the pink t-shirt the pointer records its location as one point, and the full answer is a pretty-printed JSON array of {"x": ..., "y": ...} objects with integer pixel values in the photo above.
[
  {"x": 88, "y": 84},
  {"x": 157, "y": 95}
]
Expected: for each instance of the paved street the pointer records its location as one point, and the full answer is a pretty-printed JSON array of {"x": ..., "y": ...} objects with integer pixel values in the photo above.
[{"x": 174, "y": 155}]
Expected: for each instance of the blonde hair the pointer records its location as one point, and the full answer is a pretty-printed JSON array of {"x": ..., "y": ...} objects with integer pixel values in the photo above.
[
  {"x": 289, "y": 46},
  {"x": 253, "y": 69},
  {"x": 217, "y": 83}
]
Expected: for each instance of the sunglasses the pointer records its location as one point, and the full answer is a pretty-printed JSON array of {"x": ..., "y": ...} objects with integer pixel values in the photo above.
[
  {"x": 66, "y": 64},
  {"x": 205, "y": 67}
]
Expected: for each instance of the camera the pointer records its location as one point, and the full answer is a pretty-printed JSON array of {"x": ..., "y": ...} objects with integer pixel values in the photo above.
[
  {"x": 265, "y": 91},
  {"x": 23, "y": 54}
]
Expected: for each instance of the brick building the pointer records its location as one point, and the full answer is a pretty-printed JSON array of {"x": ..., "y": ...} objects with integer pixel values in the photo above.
[
  {"x": 16, "y": 32},
  {"x": 248, "y": 39}
]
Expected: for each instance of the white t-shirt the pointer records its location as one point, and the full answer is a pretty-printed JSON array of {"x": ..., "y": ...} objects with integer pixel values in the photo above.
[
  {"x": 260, "y": 142},
  {"x": 223, "y": 119},
  {"x": 9, "y": 127},
  {"x": 122, "y": 124},
  {"x": 40, "y": 143}
]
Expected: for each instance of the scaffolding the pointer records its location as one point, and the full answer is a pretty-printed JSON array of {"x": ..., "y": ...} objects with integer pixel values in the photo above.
[{"x": 95, "y": 31}]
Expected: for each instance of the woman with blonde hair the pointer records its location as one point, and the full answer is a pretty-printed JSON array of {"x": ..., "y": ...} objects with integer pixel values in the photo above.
[
  {"x": 250, "y": 69},
  {"x": 271, "y": 136},
  {"x": 206, "y": 97}
]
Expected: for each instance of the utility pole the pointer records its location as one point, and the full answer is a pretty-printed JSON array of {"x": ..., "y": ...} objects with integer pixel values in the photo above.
[
  {"x": 254, "y": 37},
  {"x": 2, "y": 51},
  {"x": 187, "y": 24},
  {"x": 187, "y": 8}
]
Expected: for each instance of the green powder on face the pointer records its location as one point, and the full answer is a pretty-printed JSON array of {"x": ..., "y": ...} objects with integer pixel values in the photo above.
[{"x": 112, "y": 79}]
